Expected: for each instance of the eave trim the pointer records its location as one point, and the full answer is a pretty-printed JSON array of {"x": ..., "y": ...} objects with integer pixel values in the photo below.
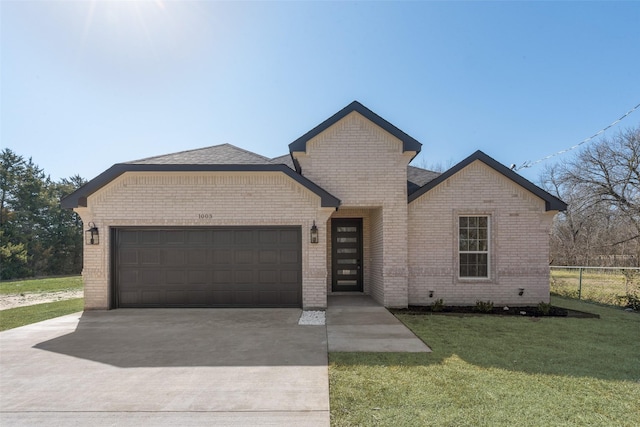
[
  {"x": 552, "y": 203},
  {"x": 79, "y": 197}
]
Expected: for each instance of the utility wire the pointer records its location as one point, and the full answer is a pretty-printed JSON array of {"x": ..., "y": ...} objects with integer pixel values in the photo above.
[{"x": 529, "y": 163}]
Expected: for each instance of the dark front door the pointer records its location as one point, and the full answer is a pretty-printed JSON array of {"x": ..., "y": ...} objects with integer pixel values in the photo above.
[{"x": 346, "y": 255}]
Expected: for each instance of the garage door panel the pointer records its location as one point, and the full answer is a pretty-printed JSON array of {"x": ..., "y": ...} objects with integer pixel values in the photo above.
[
  {"x": 246, "y": 298},
  {"x": 149, "y": 237},
  {"x": 243, "y": 256},
  {"x": 291, "y": 237},
  {"x": 268, "y": 256},
  {"x": 289, "y": 256},
  {"x": 208, "y": 267},
  {"x": 268, "y": 236},
  {"x": 222, "y": 276},
  {"x": 149, "y": 256},
  {"x": 128, "y": 277},
  {"x": 129, "y": 298},
  {"x": 187, "y": 298},
  {"x": 128, "y": 237},
  {"x": 222, "y": 256},
  {"x": 244, "y": 237},
  {"x": 175, "y": 237},
  {"x": 196, "y": 257},
  {"x": 151, "y": 297},
  {"x": 195, "y": 237},
  {"x": 244, "y": 277},
  {"x": 222, "y": 237},
  {"x": 175, "y": 277},
  {"x": 198, "y": 277},
  {"x": 150, "y": 277},
  {"x": 288, "y": 277},
  {"x": 175, "y": 257},
  {"x": 128, "y": 257},
  {"x": 268, "y": 277}
]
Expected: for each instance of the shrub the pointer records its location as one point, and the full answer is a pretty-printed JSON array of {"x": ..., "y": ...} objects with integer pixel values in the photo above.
[
  {"x": 544, "y": 308},
  {"x": 484, "y": 307},
  {"x": 437, "y": 305},
  {"x": 631, "y": 301}
]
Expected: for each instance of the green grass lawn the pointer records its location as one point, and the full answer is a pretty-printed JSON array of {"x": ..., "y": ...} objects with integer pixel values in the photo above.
[
  {"x": 498, "y": 371},
  {"x": 50, "y": 284},
  {"x": 20, "y": 316}
]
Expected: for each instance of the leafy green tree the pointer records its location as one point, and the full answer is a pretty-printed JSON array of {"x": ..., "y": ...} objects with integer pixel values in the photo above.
[{"x": 37, "y": 236}]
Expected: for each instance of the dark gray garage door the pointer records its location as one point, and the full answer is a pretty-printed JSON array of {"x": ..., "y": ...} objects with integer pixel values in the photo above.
[{"x": 208, "y": 267}]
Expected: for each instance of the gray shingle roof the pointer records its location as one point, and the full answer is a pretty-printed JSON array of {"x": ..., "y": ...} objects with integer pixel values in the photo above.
[
  {"x": 284, "y": 160},
  {"x": 417, "y": 177},
  {"x": 224, "y": 154}
]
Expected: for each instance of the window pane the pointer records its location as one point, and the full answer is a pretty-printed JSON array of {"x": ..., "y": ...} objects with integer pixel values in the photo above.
[
  {"x": 464, "y": 221},
  {"x": 347, "y": 239},
  {"x": 473, "y": 221},
  {"x": 482, "y": 221},
  {"x": 346, "y": 229},
  {"x": 347, "y": 250}
]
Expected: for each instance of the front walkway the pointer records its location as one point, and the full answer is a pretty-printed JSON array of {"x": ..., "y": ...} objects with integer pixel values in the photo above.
[{"x": 357, "y": 323}]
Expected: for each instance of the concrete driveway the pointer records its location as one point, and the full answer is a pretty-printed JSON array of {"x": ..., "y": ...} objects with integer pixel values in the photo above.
[{"x": 166, "y": 367}]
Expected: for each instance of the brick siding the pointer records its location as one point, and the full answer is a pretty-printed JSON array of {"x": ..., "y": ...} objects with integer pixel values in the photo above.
[
  {"x": 177, "y": 199},
  {"x": 519, "y": 241},
  {"x": 366, "y": 168}
]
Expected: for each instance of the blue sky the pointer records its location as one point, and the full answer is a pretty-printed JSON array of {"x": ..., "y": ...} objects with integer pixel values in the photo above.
[{"x": 87, "y": 84}]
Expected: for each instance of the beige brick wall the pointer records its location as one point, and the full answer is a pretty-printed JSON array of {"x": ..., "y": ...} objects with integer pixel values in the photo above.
[
  {"x": 178, "y": 199},
  {"x": 519, "y": 241},
  {"x": 365, "y": 167}
]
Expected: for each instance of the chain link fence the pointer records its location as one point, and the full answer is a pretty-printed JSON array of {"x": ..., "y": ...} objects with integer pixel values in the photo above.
[{"x": 606, "y": 285}]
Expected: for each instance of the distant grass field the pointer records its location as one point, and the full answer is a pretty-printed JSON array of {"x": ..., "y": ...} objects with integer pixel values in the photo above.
[
  {"x": 497, "y": 371},
  {"x": 49, "y": 284},
  {"x": 601, "y": 286}
]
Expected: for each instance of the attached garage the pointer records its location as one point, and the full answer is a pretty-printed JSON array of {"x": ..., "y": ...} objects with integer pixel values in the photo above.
[{"x": 207, "y": 267}]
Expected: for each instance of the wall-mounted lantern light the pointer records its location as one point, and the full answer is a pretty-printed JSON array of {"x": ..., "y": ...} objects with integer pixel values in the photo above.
[
  {"x": 314, "y": 233},
  {"x": 431, "y": 294},
  {"x": 521, "y": 291},
  {"x": 91, "y": 236}
]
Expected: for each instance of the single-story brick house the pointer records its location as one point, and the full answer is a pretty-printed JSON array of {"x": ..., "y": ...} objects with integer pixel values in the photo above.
[{"x": 343, "y": 212}]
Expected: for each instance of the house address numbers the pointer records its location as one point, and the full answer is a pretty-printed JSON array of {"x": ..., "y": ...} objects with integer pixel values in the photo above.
[{"x": 205, "y": 216}]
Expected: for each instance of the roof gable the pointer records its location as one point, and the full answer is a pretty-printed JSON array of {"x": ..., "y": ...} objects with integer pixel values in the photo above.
[
  {"x": 408, "y": 143},
  {"x": 551, "y": 202}
]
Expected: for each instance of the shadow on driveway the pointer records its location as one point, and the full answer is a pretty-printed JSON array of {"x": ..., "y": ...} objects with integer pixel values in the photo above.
[
  {"x": 166, "y": 367},
  {"x": 193, "y": 337}
]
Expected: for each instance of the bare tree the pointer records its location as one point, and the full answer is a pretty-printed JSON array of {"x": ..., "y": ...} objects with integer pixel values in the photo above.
[{"x": 601, "y": 184}]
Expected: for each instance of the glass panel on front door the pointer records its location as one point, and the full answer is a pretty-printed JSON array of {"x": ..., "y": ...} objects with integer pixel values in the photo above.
[{"x": 346, "y": 255}]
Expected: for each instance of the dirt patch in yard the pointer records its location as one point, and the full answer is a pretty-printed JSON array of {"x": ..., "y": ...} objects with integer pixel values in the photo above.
[{"x": 24, "y": 299}]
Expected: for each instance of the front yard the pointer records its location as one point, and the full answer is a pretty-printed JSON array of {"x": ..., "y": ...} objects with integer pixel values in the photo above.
[{"x": 498, "y": 371}]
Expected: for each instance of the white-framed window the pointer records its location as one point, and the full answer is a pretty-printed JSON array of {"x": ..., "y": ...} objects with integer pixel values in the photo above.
[{"x": 473, "y": 246}]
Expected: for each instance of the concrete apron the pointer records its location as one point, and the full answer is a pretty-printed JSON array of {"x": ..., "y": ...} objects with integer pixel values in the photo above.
[
  {"x": 166, "y": 367},
  {"x": 356, "y": 323}
]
